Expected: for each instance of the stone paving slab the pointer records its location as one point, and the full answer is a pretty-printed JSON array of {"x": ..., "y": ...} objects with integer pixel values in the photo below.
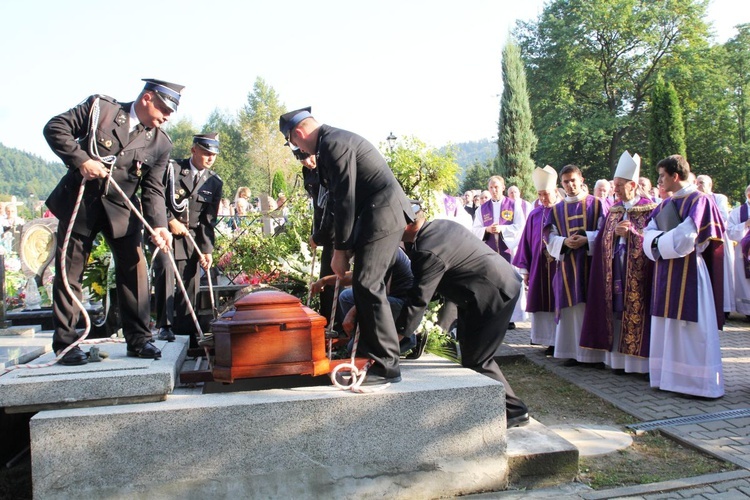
[
  {"x": 116, "y": 380},
  {"x": 21, "y": 344},
  {"x": 592, "y": 440}
]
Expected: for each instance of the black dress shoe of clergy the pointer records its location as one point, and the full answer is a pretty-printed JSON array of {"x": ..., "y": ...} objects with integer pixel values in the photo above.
[
  {"x": 511, "y": 326},
  {"x": 74, "y": 357},
  {"x": 147, "y": 351},
  {"x": 166, "y": 333}
]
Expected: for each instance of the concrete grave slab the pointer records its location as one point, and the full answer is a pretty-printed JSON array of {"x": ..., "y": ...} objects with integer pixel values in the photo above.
[{"x": 116, "y": 380}]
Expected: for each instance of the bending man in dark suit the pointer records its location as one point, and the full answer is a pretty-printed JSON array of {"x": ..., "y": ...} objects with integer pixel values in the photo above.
[
  {"x": 192, "y": 207},
  {"x": 370, "y": 211},
  {"x": 445, "y": 259},
  {"x": 130, "y": 132}
]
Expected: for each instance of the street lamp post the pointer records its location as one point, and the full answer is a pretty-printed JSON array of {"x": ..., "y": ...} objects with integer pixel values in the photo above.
[{"x": 391, "y": 141}]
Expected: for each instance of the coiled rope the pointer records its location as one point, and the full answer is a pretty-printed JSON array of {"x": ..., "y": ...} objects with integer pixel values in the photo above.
[{"x": 348, "y": 370}]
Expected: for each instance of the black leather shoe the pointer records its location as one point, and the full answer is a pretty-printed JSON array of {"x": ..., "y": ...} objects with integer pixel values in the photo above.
[
  {"x": 371, "y": 380},
  {"x": 511, "y": 326},
  {"x": 518, "y": 420},
  {"x": 550, "y": 351},
  {"x": 166, "y": 334},
  {"x": 418, "y": 350},
  {"x": 74, "y": 357},
  {"x": 147, "y": 351}
]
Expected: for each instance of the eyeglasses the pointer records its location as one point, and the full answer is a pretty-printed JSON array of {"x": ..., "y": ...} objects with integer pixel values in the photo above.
[
  {"x": 289, "y": 142},
  {"x": 300, "y": 155}
]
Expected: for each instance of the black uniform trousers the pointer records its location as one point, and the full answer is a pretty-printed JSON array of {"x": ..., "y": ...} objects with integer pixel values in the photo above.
[
  {"x": 131, "y": 278},
  {"x": 171, "y": 307},
  {"x": 326, "y": 296},
  {"x": 480, "y": 337},
  {"x": 377, "y": 329}
]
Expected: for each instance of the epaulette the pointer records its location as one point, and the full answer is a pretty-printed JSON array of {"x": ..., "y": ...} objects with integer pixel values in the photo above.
[
  {"x": 212, "y": 172},
  {"x": 107, "y": 98},
  {"x": 165, "y": 134}
]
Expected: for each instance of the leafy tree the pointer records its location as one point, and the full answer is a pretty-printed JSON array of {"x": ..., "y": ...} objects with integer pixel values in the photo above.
[
  {"x": 666, "y": 130},
  {"x": 515, "y": 137},
  {"x": 738, "y": 71},
  {"x": 422, "y": 170},
  {"x": 591, "y": 67},
  {"x": 259, "y": 120},
  {"x": 181, "y": 133},
  {"x": 232, "y": 163},
  {"x": 477, "y": 175}
]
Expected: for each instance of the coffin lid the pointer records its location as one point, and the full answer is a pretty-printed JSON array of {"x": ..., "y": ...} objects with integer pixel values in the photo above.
[{"x": 266, "y": 297}]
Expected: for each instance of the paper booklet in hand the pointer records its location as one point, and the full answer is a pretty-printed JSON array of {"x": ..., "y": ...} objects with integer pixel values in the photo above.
[{"x": 668, "y": 218}]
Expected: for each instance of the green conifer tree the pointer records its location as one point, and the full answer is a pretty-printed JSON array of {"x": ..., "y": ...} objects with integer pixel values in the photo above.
[
  {"x": 666, "y": 128},
  {"x": 515, "y": 138}
]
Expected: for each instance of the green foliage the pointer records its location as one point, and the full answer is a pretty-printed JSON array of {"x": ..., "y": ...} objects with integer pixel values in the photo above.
[
  {"x": 282, "y": 259},
  {"x": 97, "y": 276},
  {"x": 232, "y": 163},
  {"x": 477, "y": 175},
  {"x": 278, "y": 185},
  {"x": 471, "y": 152},
  {"x": 259, "y": 121},
  {"x": 23, "y": 174},
  {"x": 591, "y": 67},
  {"x": 181, "y": 132},
  {"x": 666, "y": 130},
  {"x": 516, "y": 139},
  {"x": 422, "y": 170}
]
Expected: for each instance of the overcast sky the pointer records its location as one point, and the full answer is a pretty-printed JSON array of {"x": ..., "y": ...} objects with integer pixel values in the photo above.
[{"x": 424, "y": 68}]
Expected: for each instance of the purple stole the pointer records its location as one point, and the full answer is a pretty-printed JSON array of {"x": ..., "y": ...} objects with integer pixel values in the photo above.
[
  {"x": 450, "y": 204},
  {"x": 675, "y": 288},
  {"x": 633, "y": 281},
  {"x": 507, "y": 214},
  {"x": 572, "y": 276},
  {"x": 532, "y": 255},
  {"x": 745, "y": 241}
]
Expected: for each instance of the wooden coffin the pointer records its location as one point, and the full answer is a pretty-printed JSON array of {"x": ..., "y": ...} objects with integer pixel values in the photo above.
[{"x": 270, "y": 333}]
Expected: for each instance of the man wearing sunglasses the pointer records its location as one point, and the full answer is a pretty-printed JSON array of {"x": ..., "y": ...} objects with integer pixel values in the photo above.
[
  {"x": 370, "y": 211},
  {"x": 87, "y": 138}
]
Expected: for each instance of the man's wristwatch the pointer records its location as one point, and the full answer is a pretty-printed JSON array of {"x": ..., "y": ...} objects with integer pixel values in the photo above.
[{"x": 655, "y": 242}]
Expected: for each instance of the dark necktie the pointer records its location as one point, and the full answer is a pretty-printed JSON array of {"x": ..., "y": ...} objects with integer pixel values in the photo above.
[{"x": 137, "y": 130}]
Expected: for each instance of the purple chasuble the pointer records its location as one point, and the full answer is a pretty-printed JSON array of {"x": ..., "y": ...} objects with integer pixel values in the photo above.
[
  {"x": 507, "y": 214},
  {"x": 634, "y": 283},
  {"x": 532, "y": 255},
  {"x": 572, "y": 276},
  {"x": 675, "y": 288}
]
